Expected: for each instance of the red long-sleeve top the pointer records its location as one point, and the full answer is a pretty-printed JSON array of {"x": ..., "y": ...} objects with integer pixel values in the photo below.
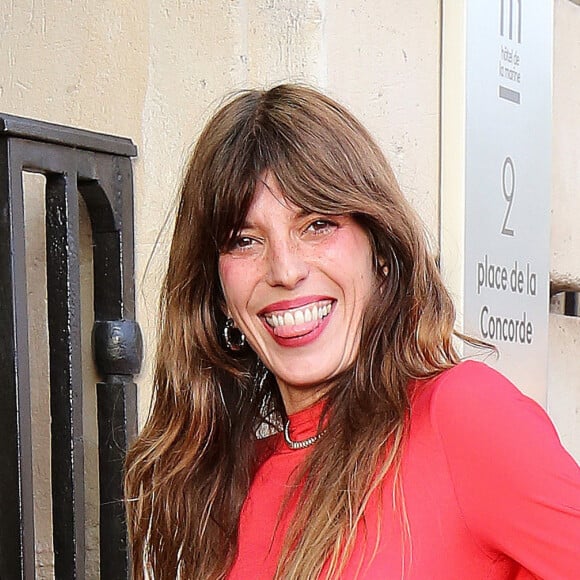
[{"x": 488, "y": 489}]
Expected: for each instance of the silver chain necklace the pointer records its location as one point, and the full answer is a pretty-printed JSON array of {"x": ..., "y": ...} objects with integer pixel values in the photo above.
[{"x": 300, "y": 444}]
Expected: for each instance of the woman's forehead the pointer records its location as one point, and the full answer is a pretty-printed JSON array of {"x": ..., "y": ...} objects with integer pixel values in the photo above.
[{"x": 269, "y": 201}]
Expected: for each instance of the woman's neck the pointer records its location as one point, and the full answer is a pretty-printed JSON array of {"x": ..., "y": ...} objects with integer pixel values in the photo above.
[{"x": 296, "y": 398}]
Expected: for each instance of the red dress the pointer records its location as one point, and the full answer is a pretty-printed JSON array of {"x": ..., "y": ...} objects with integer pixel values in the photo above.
[{"x": 489, "y": 491}]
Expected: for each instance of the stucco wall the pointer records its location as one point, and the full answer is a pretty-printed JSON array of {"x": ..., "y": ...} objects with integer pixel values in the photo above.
[
  {"x": 565, "y": 238},
  {"x": 155, "y": 70},
  {"x": 564, "y": 331},
  {"x": 84, "y": 64}
]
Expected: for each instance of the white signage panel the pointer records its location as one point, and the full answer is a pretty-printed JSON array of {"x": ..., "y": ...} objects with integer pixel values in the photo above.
[{"x": 507, "y": 183}]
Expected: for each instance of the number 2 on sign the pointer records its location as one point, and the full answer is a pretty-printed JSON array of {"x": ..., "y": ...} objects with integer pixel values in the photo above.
[{"x": 508, "y": 187}]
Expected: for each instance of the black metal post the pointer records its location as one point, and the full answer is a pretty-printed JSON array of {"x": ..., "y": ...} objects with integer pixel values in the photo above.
[
  {"x": 118, "y": 351},
  {"x": 64, "y": 288},
  {"x": 98, "y": 167},
  {"x": 16, "y": 498},
  {"x": 571, "y": 303}
]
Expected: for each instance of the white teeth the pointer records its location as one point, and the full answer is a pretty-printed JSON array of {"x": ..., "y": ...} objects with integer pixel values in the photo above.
[{"x": 299, "y": 316}]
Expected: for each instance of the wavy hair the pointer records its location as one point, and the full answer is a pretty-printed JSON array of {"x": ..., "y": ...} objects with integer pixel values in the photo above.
[{"x": 189, "y": 471}]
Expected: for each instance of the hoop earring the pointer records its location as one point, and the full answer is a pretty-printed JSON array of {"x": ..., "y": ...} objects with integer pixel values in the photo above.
[{"x": 233, "y": 342}]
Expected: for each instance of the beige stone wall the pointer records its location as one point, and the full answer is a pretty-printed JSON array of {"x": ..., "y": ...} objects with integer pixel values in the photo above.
[
  {"x": 80, "y": 63},
  {"x": 564, "y": 332},
  {"x": 155, "y": 70},
  {"x": 565, "y": 238}
]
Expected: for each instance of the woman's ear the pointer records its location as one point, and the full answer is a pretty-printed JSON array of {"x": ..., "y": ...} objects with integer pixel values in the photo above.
[{"x": 382, "y": 268}]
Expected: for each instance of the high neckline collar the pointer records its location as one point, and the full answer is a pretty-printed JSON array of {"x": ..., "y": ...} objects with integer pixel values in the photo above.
[{"x": 303, "y": 424}]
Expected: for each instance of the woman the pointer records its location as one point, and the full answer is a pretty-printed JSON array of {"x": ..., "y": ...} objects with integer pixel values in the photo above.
[{"x": 311, "y": 417}]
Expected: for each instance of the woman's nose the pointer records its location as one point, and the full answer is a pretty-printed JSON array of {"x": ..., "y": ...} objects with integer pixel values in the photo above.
[{"x": 286, "y": 264}]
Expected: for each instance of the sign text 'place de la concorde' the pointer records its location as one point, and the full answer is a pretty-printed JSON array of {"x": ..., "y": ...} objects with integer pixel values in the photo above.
[{"x": 507, "y": 182}]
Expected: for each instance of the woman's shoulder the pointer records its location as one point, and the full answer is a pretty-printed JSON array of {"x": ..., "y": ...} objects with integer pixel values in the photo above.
[
  {"x": 469, "y": 376},
  {"x": 482, "y": 421},
  {"x": 474, "y": 411},
  {"x": 516, "y": 486},
  {"x": 473, "y": 390}
]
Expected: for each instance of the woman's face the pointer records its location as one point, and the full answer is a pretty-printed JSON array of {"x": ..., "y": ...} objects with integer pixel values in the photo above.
[{"x": 297, "y": 284}]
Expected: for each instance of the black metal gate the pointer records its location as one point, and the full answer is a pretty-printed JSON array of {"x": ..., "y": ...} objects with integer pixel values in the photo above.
[{"x": 98, "y": 168}]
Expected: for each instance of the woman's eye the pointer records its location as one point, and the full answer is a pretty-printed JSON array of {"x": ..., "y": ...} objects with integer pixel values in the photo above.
[
  {"x": 320, "y": 226},
  {"x": 242, "y": 243}
]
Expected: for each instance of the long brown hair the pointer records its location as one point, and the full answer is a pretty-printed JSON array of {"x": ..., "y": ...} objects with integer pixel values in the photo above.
[{"x": 189, "y": 471}]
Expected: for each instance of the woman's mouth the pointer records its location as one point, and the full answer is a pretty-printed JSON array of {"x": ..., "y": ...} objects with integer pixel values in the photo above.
[
  {"x": 299, "y": 325},
  {"x": 299, "y": 316}
]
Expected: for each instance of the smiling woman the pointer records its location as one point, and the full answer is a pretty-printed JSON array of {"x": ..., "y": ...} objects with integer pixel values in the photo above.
[
  {"x": 311, "y": 416},
  {"x": 297, "y": 284}
]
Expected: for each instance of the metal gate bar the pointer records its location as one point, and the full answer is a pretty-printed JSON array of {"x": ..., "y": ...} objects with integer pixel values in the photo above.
[{"x": 98, "y": 167}]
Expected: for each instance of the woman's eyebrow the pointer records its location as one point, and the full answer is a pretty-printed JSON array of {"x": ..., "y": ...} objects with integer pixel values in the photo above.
[
  {"x": 247, "y": 224},
  {"x": 297, "y": 213},
  {"x": 301, "y": 212}
]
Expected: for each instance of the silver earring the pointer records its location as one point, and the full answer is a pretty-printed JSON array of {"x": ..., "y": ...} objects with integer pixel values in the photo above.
[{"x": 234, "y": 337}]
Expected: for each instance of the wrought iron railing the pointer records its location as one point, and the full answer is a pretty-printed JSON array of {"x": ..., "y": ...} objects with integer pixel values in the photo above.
[{"x": 98, "y": 168}]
